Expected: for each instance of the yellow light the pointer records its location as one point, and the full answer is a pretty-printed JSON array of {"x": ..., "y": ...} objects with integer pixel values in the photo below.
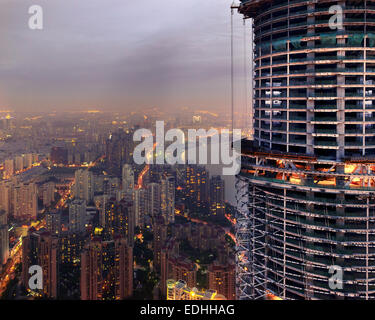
[
  {"x": 350, "y": 168},
  {"x": 295, "y": 180}
]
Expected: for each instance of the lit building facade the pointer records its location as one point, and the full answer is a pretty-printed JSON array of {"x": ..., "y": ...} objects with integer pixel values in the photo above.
[
  {"x": 197, "y": 185},
  {"x": 8, "y": 168},
  {"x": 53, "y": 221},
  {"x": 181, "y": 268},
  {"x": 179, "y": 290},
  {"x": 139, "y": 206},
  {"x": 107, "y": 270},
  {"x": 119, "y": 219},
  {"x": 160, "y": 231},
  {"x": 222, "y": 279},
  {"x": 167, "y": 200},
  {"x": 217, "y": 196},
  {"x": 305, "y": 191},
  {"x": 42, "y": 249},
  {"x": 25, "y": 201}
]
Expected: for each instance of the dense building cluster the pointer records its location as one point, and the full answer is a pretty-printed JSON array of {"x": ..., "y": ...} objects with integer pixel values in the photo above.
[{"x": 103, "y": 228}]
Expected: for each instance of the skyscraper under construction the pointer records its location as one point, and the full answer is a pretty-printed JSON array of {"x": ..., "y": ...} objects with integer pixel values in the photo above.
[{"x": 306, "y": 191}]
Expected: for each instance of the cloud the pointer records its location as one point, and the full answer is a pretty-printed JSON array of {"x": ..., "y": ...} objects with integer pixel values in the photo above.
[{"x": 116, "y": 54}]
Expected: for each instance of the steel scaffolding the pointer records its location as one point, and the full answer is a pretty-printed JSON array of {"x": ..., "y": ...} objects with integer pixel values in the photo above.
[{"x": 307, "y": 184}]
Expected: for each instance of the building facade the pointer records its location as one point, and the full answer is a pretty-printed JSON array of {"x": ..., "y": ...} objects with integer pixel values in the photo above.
[
  {"x": 222, "y": 279},
  {"x": 42, "y": 249},
  {"x": 153, "y": 198},
  {"x": 4, "y": 238},
  {"x": 217, "y": 196},
  {"x": 119, "y": 219},
  {"x": 167, "y": 199},
  {"x": 179, "y": 290},
  {"x": 107, "y": 270},
  {"x": 53, "y": 221},
  {"x": 127, "y": 177},
  {"x": 84, "y": 185},
  {"x": 25, "y": 201},
  {"x": 306, "y": 188},
  {"x": 197, "y": 186},
  {"x": 77, "y": 216}
]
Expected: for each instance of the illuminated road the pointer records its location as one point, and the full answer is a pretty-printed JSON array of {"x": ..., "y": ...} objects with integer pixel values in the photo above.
[
  {"x": 15, "y": 254},
  {"x": 15, "y": 257},
  {"x": 230, "y": 219},
  {"x": 65, "y": 197},
  {"x": 141, "y": 176},
  {"x": 140, "y": 184},
  {"x": 8, "y": 272}
]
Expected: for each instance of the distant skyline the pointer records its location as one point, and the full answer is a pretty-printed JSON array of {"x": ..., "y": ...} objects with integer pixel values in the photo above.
[{"x": 118, "y": 55}]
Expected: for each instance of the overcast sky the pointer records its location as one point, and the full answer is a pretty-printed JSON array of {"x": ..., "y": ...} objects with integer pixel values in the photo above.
[{"x": 117, "y": 54}]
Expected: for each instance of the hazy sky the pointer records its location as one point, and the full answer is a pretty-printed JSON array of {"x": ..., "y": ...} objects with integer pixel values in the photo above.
[{"x": 117, "y": 54}]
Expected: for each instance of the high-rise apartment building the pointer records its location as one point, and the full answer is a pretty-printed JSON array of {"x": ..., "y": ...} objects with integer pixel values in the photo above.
[
  {"x": 160, "y": 230},
  {"x": 5, "y": 193},
  {"x": 77, "y": 216},
  {"x": 139, "y": 206},
  {"x": 112, "y": 187},
  {"x": 107, "y": 270},
  {"x": 306, "y": 188},
  {"x": 119, "y": 150},
  {"x": 217, "y": 196},
  {"x": 42, "y": 249},
  {"x": 4, "y": 238},
  {"x": 47, "y": 192},
  {"x": 18, "y": 163},
  {"x": 167, "y": 198},
  {"x": 28, "y": 160},
  {"x": 119, "y": 219},
  {"x": 8, "y": 168},
  {"x": 197, "y": 186},
  {"x": 127, "y": 177},
  {"x": 84, "y": 185},
  {"x": 153, "y": 199},
  {"x": 71, "y": 245},
  {"x": 53, "y": 220},
  {"x": 174, "y": 266},
  {"x": 222, "y": 279},
  {"x": 25, "y": 201}
]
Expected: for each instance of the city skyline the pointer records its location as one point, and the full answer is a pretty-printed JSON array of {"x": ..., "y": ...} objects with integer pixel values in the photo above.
[
  {"x": 188, "y": 151},
  {"x": 76, "y": 206}
]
